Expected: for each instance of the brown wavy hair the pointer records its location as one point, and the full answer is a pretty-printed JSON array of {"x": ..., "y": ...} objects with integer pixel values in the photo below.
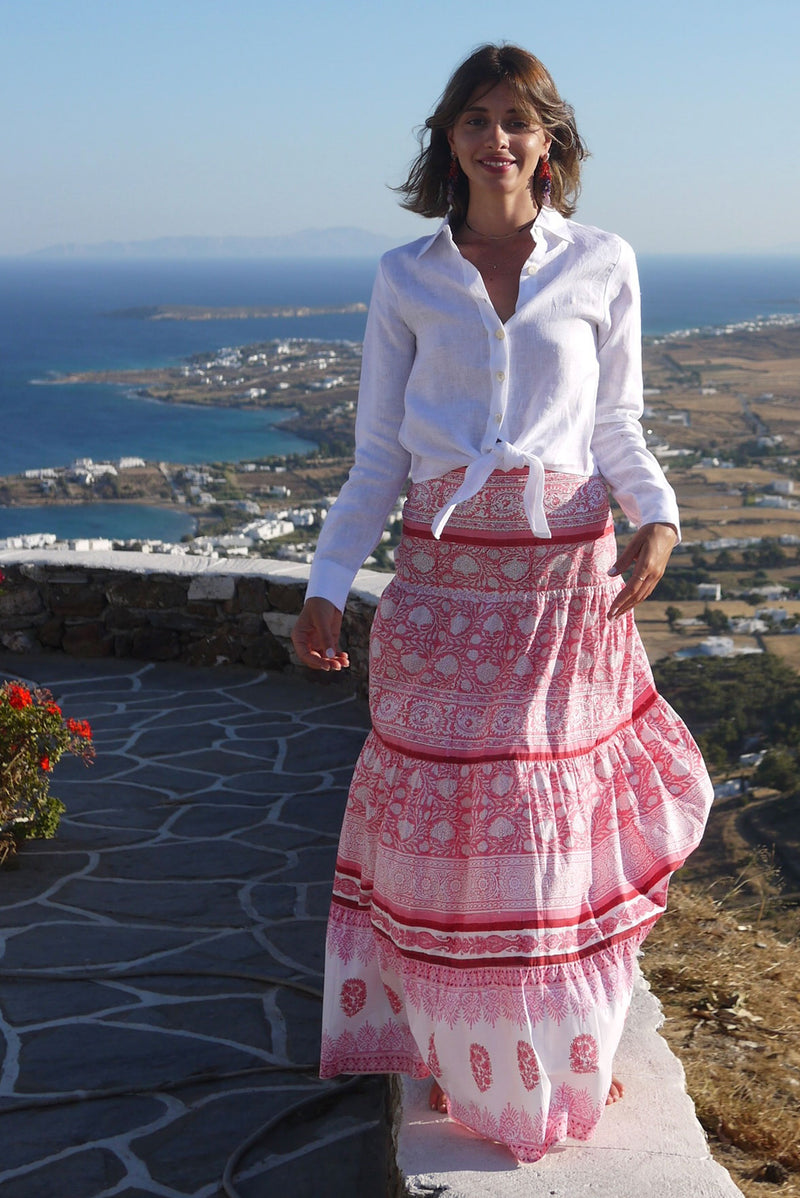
[{"x": 535, "y": 94}]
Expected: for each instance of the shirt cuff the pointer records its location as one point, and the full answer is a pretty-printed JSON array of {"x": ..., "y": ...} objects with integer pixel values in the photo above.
[
  {"x": 665, "y": 512},
  {"x": 328, "y": 580}
]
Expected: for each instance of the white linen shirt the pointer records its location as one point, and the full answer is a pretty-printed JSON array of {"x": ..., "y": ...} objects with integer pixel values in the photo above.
[{"x": 446, "y": 384}]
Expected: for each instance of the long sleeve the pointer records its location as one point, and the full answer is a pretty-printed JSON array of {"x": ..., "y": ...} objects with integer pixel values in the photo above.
[
  {"x": 618, "y": 445},
  {"x": 381, "y": 465}
]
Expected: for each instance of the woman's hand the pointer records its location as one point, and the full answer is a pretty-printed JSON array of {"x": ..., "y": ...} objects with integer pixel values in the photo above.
[
  {"x": 650, "y": 550},
  {"x": 315, "y": 636}
]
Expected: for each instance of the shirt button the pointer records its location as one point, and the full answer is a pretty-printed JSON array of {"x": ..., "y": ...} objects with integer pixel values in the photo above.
[
  {"x": 498, "y": 419},
  {"x": 532, "y": 269},
  {"x": 500, "y": 334},
  {"x": 501, "y": 374}
]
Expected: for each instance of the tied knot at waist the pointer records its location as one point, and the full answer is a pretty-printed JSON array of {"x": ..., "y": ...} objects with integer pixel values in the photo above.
[{"x": 502, "y": 456}]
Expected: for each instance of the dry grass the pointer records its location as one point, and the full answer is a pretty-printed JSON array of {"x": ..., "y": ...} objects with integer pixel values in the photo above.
[
  {"x": 727, "y": 971},
  {"x": 786, "y": 647}
]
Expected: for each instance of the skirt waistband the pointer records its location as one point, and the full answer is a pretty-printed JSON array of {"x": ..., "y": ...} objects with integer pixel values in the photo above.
[{"x": 576, "y": 506}]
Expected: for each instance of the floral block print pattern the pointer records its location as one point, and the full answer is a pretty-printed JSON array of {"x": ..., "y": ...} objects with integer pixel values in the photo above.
[
  {"x": 513, "y": 819},
  {"x": 528, "y": 1065},
  {"x": 353, "y": 995},
  {"x": 481, "y": 1065},
  {"x": 583, "y": 1056}
]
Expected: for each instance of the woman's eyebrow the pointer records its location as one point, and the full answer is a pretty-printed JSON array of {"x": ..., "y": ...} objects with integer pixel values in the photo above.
[{"x": 483, "y": 108}]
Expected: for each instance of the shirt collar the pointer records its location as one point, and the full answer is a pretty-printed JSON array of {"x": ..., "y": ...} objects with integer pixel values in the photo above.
[{"x": 549, "y": 221}]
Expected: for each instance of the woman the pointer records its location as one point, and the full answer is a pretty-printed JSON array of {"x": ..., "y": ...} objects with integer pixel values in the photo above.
[{"x": 525, "y": 794}]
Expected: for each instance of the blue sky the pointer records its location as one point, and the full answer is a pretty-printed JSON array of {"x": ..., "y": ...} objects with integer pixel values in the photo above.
[{"x": 131, "y": 119}]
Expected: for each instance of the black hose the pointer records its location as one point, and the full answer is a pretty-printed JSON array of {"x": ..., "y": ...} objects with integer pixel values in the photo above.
[{"x": 321, "y": 1100}]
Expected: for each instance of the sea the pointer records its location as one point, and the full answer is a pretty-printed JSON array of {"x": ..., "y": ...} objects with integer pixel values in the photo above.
[{"x": 56, "y": 317}]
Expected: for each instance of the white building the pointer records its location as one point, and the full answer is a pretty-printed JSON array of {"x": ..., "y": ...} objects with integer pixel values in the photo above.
[
  {"x": 773, "y": 591},
  {"x": 726, "y": 790},
  {"x": 45, "y": 472},
  {"x": 715, "y": 646},
  {"x": 267, "y": 530},
  {"x": 748, "y": 626},
  {"x": 779, "y": 501},
  {"x": 301, "y": 517},
  {"x": 91, "y": 545},
  {"x": 776, "y": 614},
  {"x": 709, "y": 590},
  {"x": 29, "y": 540}
]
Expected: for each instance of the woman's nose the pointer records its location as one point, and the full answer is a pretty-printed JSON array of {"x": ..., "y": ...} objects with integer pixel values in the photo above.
[{"x": 496, "y": 135}]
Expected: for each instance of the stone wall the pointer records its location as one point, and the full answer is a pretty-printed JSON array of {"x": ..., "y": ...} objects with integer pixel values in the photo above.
[{"x": 159, "y": 608}]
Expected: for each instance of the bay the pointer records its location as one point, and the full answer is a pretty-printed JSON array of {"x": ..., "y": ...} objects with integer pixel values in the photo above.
[
  {"x": 121, "y": 521},
  {"x": 55, "y": 319}
]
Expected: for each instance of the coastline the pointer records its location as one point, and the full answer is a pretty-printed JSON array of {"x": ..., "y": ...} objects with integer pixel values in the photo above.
[
  {"x": 692, "y": 379},
  {"x": 778, "y": 320},
  {"x": 236, "y": 312}
]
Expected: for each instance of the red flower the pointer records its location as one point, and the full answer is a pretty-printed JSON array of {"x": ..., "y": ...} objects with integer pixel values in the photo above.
[
  {"x": 2, "y": 577},
  {"x": 80, "y": 728},
  {"x": 19, "y": 696},
  {"x": 54, "y": 709},
  {"x": 45, "y": 763}
]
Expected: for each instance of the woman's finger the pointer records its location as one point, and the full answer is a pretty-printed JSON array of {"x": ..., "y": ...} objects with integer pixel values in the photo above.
[
  {"x": 315, "y": 636},
  {"x": 649, "y": 551}
]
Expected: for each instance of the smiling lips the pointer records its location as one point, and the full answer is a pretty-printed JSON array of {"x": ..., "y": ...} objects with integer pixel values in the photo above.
[{"x": 497, "y": 164}]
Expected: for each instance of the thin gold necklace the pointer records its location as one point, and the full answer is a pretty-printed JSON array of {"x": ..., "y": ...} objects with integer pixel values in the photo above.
[{"x": 500, "y": 236}]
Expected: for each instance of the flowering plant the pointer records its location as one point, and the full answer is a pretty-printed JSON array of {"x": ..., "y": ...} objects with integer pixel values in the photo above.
[{"x": 34, "y": 736}]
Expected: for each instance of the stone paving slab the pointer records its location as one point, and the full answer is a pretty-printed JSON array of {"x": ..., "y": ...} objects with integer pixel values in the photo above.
[{"x": 141, "y": 950}]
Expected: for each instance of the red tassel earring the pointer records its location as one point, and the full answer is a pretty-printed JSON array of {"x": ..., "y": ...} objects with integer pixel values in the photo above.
[
  {"x": 546, "y": 178},
  {"x": 452, "y": 179}
]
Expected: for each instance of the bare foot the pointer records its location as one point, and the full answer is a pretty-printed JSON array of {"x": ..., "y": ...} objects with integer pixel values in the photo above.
[{"x": 616, "y": 1091}]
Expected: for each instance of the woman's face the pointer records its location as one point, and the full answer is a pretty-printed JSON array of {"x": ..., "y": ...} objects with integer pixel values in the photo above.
[{"x": 496, "y": 145}]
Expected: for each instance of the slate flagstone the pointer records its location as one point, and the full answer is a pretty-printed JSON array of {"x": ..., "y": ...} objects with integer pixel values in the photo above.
[{"x": 141, "y": 949}]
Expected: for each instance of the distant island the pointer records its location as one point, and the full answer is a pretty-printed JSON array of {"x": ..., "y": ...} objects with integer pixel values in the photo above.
[
  {"x": 340, "y": 242},
  {"x": 193, "y": 312}
]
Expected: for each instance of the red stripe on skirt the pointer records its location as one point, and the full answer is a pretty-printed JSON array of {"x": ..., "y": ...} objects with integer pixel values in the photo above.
[
  {"x": 517, "y": 754},
  {"x": 522, "y": 922},
  {"x": 423, "y": 532},
  {"x": 638, "y": 931}
]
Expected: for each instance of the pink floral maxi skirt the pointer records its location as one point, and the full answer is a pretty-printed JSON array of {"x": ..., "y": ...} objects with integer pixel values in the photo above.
[{"x": 513, "y": 820}]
